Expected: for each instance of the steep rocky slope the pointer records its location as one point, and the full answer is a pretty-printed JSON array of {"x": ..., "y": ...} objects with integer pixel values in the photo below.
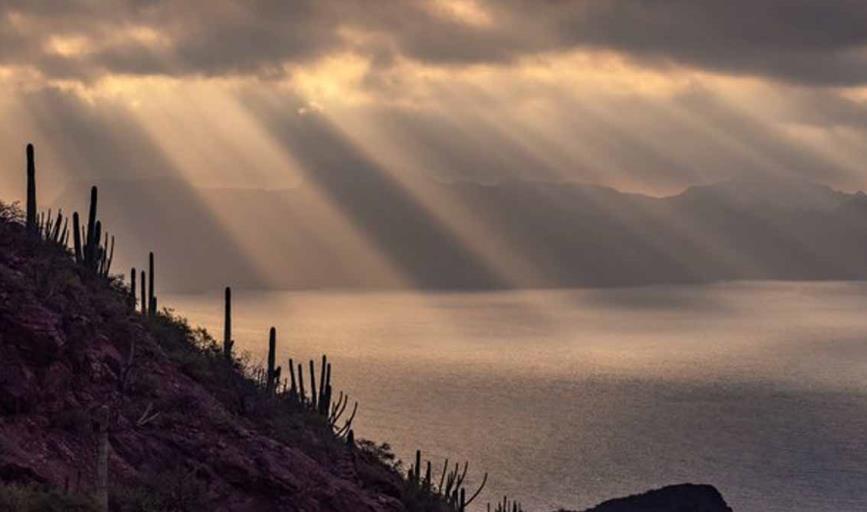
[
  {"x": 186, "y": 430},
  {"x": 82, "y": 373}
]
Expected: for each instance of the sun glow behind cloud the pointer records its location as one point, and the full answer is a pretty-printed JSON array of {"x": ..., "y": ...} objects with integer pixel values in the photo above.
[{"x": 464, "y": 11}]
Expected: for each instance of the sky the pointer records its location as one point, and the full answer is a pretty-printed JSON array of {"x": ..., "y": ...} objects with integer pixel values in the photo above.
[{"x": 641, "y": 95}]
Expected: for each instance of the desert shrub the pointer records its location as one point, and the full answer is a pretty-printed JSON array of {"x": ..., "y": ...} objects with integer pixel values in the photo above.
[
  {"x": 11, "y": 213},
  {"x": 135, "y": 499},
  {"x": 379, "y": 452},
  {"x": 32, "y": 498},
  {"x": 172, "y": 489}
]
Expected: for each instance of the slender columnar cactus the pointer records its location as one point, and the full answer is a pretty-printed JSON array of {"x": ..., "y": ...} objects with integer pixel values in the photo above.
[
  {"x": 325, "y": 392},
  {"x": 45, "y": 223},
  {"x": 314, "y": 400},
  {"x": 228, "y": 342},
  {"x": 273, "y": 371},
  {"x": 144, "y": 298},
  {"x": 108, "y": 256},
  {"x": 322, "y": 376},
  {"x": 506, "y": 506},
  {"x": 132, "y": 289},
  {"x": 302, "y": 395},
  {"x": 93, "y": 262},
  {"x": 151, "y": 295},
  {"x": 56, "y": 234},
  {"x": 76, "y": 237},
  {"x": 31, "y": 190},
  {"x": 417, "y": 473},
  {"x": 64, "y": 238},
  {"x": 293, "y": 386},
  {"x": 91, "y": 236}
]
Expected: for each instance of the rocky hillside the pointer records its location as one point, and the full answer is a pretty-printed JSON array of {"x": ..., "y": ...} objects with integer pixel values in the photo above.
[
  {"x": 185, "y": 429},
  {"x": 100, "y": 402}
]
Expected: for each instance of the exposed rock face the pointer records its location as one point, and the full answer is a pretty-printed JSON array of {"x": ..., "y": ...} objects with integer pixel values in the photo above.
[
  {"x": 673, "y": 498},
  {"x": 65, "y": 343}
]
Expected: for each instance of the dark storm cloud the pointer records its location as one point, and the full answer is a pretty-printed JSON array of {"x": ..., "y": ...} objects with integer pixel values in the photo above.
[
  {"x": 819, "y": 42},
  {"x": 209, "y": 38}
]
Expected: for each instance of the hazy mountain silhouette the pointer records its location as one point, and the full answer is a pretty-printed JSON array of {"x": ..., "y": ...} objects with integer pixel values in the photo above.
[{"x": 573, "y": 234}]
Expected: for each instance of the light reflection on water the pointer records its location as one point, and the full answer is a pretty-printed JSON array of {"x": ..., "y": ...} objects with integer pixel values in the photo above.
[{"x": 571, "y": 397}]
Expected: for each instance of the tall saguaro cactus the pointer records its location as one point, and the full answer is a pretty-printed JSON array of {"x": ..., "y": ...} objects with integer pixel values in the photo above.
[
  {"x": 273, "y": 375},
  {"x": 324, "y": 404},
  {"x": 228, "y": 342},
  {"x": 144, "y": 303},
  {"x": 293, "y": 388},
  {"x": 132, "y": 289},
  {"x": 313, "y": 396},
  {"x": 91, "y": 246},
  {"x": 76, "y": 237},
  {"x": 152, "y": 300},
  {"x": 31, "y": 190}
]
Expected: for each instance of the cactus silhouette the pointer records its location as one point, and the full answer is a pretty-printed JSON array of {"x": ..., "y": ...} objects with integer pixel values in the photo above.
[
  {"x": 108, "y": 256},
  {"x": 76, "y": 237},
  {"x": 144, "y": 304},
  {"x": 293, "y": 387},
  {"x": 91, "y": 236},
  {"x": 301, "y": 396},
  {"x": 132, "y": 290},
  {"x": 93, "y": 246},
  {"x": 52, "y": 228},
  {"x": 228, "y": 342},
  {"x": 450, "y": 489},
  {"x": 507, "y": 506},
  {"x": 31, "y": 190},
  {"x": 273, "y": 375},
  {"x": 313, "y": 395},
  {"x": 152, "y": 300},
  {"x": 325, "y": 395},
  {"x": 323, "y": 374}
]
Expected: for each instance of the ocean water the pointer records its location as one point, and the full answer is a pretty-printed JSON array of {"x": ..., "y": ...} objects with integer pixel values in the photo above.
[{"x": 570, "y": 397}]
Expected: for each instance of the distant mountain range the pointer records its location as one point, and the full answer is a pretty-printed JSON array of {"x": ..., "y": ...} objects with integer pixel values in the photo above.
[{"x": 568, "y": 234}]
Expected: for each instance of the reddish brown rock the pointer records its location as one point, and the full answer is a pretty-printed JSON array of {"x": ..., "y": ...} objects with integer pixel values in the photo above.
[{"x": 65, "y": 341}]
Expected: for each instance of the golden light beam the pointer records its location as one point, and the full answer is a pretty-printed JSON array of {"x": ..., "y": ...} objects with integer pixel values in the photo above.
[
  {"x": 211, "y": 137},
  {"x": 398, "y": 156}
]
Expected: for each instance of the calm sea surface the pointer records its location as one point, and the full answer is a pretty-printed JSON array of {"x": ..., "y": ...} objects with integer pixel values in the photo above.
[{"x": 570, "y": 397}]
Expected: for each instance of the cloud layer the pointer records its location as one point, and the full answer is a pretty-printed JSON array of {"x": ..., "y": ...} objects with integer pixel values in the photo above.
[{"x": 799, "y": 41}]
